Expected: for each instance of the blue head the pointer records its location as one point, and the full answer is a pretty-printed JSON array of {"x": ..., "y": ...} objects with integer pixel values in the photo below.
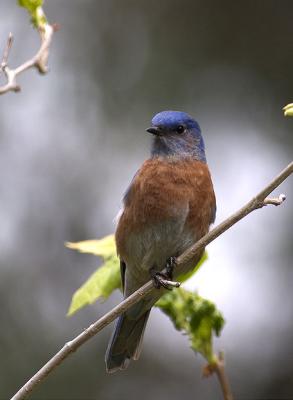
[{"x": 176, "y": 134}]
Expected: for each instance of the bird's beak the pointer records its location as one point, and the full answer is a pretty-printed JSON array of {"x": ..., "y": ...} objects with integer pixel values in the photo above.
[{"x": 155, "y": 130}]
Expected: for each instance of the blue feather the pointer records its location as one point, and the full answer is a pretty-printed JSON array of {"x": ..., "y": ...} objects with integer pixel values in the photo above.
[{"x": 171, "y": 142}]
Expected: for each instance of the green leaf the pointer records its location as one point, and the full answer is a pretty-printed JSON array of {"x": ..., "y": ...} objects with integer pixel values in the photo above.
[
  {"x": 30, "y": 5},
  {"x": 99, "y": 285},
  {"x": 288, "y": 110},
  {"x": 104, "y": 248},
  {"x": 196, "y": 317},
  {"x": 103, "y": 281},
  {"x": 34, "y": 8},
  {"x": 184, "y": 277}
]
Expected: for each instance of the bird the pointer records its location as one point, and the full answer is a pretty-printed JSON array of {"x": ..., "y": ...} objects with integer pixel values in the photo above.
[{"x": 168, "y": 206}]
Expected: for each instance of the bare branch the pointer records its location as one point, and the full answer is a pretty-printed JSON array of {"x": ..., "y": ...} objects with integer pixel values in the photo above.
[
  {"x": 38, "y": 61},
  {"x": 7, "y": 50},
  {"x": 258, "y": 201}
]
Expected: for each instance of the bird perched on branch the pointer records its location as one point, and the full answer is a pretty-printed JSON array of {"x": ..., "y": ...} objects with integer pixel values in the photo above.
[{"x": 168, "y": 206}]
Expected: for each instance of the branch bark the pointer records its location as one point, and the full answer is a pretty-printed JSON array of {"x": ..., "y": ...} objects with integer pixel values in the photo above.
[
  {"x": 259, "y": 201},
  {"x": 38, "y": 61}
]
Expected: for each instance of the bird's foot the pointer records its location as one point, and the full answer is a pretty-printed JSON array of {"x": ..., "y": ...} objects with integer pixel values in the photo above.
[
  {"x": 161, "y": 279},
  {"x": 170, "y": 265}
]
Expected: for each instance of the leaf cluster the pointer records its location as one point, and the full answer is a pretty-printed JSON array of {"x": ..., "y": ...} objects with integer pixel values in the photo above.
[
  {"x": 191, "y": 314},
  {"x": 104, "y": 280},
  {"x": 195, "y": 316}
]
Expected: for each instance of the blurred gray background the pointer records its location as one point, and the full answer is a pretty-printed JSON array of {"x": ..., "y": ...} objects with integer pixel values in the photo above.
[{"x": 71, "y": 141}]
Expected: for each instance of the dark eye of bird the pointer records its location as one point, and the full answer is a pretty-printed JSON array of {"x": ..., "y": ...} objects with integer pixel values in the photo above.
[{"x": 180, "y": 129}]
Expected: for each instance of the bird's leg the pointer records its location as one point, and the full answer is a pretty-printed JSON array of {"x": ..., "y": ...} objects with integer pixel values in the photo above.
[
  {"x": 170, "y": 265},
  {"x": 161, "y": 279}
]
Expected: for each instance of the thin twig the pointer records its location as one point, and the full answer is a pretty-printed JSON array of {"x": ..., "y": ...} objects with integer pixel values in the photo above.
[
  {"x": 218, "y": 367},
  {"x": 275, "y": 201},
  {"x": 38, "y": 61},
  {"x": 223, "y": 379},
  {"x": 260, "y": 200},
  {"x": 7, "y": 50}
]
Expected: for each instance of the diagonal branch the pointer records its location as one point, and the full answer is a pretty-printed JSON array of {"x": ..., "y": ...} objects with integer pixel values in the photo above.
[
  {"x": 259, "y": 201},
  {"x": 38, "y": 61}
]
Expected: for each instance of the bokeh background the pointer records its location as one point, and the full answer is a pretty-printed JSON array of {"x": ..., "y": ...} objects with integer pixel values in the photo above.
[{"x": 70, "y": 143}]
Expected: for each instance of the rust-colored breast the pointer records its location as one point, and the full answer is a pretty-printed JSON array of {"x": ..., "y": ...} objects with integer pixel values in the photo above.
[{"x": 164, "y": 189}]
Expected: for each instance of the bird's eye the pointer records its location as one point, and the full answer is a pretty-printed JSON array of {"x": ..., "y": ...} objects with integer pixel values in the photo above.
[{"x": 180, "y": 129}]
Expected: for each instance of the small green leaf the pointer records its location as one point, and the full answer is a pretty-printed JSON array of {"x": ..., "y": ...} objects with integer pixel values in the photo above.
[
  {"x": 184, "y": 277},
  {"x": 288, "y": 110},
  {"x": 103, "y": 281},
  {"x": 104, "y": 248},
  {"x": 34, "y": 8},
  {"x": 99, "y": 285},
  {"x": 30, "y": 5},
  {"x": 195, "y": 316}
]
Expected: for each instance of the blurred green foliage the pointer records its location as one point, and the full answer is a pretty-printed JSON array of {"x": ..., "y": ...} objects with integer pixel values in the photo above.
[
  {"x": 288, "y": 110},
  {"x": 34, "y": 8},
  {"x": 194, "y": 316}
]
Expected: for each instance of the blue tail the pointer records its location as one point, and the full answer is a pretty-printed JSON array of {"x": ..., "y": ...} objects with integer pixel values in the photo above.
[{"x": 125, "y": 343}]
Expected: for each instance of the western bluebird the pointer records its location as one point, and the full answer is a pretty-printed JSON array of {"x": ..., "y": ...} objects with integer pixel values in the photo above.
[{"x": 168, "y": 206}]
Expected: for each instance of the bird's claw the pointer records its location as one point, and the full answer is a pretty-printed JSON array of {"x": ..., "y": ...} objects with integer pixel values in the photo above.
[
  {"x": 160, "y": 280},
  {"x": 164, "y": 280},
  {"x": 170, "y": 265}
]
